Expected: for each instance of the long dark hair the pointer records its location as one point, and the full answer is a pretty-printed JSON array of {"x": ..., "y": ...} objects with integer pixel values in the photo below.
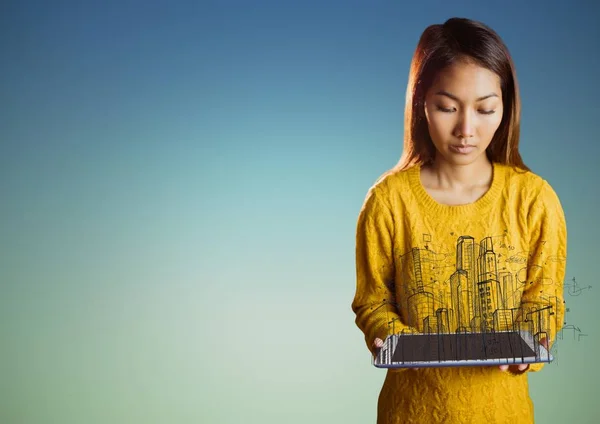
[{"x": 440, "y": 46}]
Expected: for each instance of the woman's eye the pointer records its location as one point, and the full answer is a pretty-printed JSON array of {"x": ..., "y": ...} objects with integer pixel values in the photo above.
[{"x": 451, "y": 109}]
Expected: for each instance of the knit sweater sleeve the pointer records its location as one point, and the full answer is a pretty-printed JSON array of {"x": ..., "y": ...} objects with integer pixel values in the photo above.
[
  {"x": 542, "y": 302},
  {"x": 374, "y": 303}
]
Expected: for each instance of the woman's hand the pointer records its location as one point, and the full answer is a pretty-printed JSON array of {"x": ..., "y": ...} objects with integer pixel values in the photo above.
[
  {"x": 514, "y": 368},
  {"x": 378, "y": 344}
]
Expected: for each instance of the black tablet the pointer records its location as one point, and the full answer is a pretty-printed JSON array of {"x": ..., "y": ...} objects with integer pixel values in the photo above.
[{"x": 460, "y": 349}]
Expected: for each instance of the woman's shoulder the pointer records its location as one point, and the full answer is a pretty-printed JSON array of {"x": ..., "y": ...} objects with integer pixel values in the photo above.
[
  {"x": 529, "y": 185},
  {"x": 391, "y": 185},
  {"x": 523, "y": 178},
  {"x": 394, "y": 180}
]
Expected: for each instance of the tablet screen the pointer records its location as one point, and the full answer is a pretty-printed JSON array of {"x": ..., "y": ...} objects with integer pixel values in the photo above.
[{"x": 460, "y": 347}]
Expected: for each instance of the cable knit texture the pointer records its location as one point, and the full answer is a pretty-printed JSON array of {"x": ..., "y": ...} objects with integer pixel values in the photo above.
[{"x": 423, "y": 266}]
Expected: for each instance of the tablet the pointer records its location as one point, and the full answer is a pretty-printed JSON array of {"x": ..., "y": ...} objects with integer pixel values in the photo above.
[{"x": 460, "y": 349}]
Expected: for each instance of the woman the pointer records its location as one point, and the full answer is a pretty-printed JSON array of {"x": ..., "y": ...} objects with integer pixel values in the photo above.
[{"x": 458, "y": 219}]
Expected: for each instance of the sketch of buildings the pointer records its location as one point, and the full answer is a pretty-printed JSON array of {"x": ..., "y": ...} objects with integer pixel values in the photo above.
[
  {"x": 469, "y": 291},
  {"x": 475, "y": 288}
]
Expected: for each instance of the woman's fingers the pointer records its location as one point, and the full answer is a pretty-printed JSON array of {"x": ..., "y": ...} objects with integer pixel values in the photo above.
[
  {"x": 377, "y": 344},
  {"x": 520, "y": 367}
]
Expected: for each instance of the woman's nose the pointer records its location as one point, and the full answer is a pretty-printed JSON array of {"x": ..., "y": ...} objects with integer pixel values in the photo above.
[{"x": 465, "y": 127}]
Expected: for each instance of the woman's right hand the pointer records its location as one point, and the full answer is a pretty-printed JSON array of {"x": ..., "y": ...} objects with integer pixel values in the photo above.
[{"x": 377, "y": 344}]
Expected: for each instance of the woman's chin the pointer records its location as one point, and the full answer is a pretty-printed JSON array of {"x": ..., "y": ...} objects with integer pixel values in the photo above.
[{"x": 462, "y": 159}]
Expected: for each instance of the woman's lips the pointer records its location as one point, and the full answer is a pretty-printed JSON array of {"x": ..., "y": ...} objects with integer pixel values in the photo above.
[{"x": 462, "y": 149}]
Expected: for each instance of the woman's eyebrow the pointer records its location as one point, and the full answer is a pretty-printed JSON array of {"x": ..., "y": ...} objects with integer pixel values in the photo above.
[{"x": 453, "y": 97}]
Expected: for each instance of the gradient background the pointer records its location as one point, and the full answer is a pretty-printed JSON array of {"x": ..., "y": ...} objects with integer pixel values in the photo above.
[{"x": 180, "y": 183}]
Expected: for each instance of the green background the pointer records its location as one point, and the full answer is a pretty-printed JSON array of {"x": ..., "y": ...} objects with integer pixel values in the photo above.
[{"x": 180, "y": 183}]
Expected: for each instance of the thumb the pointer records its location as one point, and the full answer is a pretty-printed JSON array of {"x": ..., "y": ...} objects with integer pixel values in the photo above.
[
  {"x": 377, "y": 342},
  {"x": 377, "y": 345}
]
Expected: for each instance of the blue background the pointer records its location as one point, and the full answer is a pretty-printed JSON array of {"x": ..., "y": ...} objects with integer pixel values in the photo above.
[{"x": 180, "y": 183}]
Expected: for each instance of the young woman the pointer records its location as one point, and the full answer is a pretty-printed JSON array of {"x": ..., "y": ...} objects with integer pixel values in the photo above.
[{"x": 460, "y": 236}]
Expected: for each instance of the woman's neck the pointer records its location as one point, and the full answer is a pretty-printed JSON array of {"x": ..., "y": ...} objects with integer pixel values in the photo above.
[{"x": 457, "y": 177}]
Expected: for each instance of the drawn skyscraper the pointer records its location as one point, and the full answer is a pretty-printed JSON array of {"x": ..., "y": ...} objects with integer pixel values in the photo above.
[
  {"x": 421, "y": 303},
  {"x": 488, "y": 288},
  {"x": 442, "y": 320},
  {"x": 487, "y": 261},
  {"x": 465, "y": 261},
  {"x": 460, "y": 301},
  {"x": 508, "y": 289},
  {"x": 503, "y": 319}
]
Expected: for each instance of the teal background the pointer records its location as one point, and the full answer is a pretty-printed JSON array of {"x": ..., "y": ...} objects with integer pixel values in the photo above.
[{"x": 180, "y": 183}]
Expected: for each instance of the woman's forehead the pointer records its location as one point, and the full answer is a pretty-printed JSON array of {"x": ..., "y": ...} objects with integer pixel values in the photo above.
[{"x": 466, "y": 80}]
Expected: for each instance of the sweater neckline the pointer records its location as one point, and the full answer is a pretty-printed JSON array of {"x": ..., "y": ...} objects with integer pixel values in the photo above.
[{"x": 479, "y": 205}]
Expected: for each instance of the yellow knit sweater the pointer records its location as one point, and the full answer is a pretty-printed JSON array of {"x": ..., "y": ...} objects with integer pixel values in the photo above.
[{"x": 411, "y": 251}]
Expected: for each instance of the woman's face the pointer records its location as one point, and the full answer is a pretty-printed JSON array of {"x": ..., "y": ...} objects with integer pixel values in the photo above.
[{"x": 464, "y": 109}]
